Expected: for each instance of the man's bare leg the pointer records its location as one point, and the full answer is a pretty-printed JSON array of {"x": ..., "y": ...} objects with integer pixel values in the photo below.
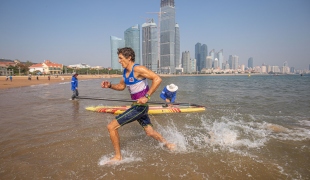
[
  {"x": 154, "y": 134},
  {"x": 112, "y": 127}
]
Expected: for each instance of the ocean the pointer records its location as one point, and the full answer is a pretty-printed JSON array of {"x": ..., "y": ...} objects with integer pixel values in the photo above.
[{"x": 255, "y": 127}]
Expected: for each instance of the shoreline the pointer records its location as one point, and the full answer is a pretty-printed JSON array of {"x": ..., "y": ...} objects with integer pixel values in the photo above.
[{"x": 22, "y": 81}]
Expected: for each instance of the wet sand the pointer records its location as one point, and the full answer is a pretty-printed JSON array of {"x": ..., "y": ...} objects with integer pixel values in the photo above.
[{"x": 21, "y": 81}]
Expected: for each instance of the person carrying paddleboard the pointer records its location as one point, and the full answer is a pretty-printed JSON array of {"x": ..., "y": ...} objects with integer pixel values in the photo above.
[
  {"x": 74, "y": 86},
  {"x": 169, "y": 93},
  {"x": 135, "y": 79}
]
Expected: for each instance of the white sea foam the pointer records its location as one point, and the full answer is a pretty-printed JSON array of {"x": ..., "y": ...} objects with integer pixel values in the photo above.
[
  {"x": 304, "y": 123},
  {"x": 173, "y": 135}
]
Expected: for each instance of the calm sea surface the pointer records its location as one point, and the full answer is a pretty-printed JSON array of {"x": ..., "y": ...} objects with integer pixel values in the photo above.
[{"x": 254, "y": 127}]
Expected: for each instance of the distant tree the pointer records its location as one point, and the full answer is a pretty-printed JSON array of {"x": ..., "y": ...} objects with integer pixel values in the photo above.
[{"x": 29, "y": 63}]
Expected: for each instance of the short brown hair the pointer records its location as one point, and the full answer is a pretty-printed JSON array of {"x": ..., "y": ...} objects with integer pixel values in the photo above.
[{"x": 127, "y": 52}]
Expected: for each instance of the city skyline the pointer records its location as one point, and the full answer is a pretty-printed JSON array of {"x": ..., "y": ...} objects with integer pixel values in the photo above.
[{"x": 71, "y": 32}]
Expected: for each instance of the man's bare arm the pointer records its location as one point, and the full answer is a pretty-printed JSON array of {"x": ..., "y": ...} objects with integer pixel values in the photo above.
[
  {"x": 143, "y": 72},
  {"x": 119, "y": 87}
]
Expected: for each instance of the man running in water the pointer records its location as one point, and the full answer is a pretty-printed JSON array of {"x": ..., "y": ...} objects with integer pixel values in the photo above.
[{"x": 135, "y": 79}]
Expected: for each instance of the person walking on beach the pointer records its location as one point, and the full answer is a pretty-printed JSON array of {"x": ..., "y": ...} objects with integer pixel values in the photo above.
[
  {"x": 169, "y": 93},
  {"x": 7, "y": 78},
  {"x": 11, "y": 78},
  {"x": 37, "y": 77},
  {"x": 74, "y": 86},
  {"x": 135, "y": 79}
]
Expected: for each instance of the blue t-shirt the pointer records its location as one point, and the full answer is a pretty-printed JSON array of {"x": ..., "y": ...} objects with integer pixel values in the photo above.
[
  {"x": 74, "y": 83},
  {"x": 166, "y": 94}
]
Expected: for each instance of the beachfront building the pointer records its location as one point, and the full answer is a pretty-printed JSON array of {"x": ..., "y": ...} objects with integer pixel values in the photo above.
[
  {"x": 47, "y": 67},
  {"x": 150, "y": 45},
  {"x": 116, "y": 43},
  {"x": 132, "y": 40},
  {"x": 79, "y": 66},
  {"x": 4, "y": 71}
]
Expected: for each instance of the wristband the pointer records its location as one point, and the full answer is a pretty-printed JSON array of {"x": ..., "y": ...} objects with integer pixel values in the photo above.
[
  {"x": 147, "y": 96},
  {"x": 110, "y": 85}
]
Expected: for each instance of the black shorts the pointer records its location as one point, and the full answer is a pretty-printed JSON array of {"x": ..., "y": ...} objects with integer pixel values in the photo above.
[{"x": 135, "y": 112}]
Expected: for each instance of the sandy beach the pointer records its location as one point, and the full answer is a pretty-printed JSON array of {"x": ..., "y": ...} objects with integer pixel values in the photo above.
[{"x": 21, "y": 81}]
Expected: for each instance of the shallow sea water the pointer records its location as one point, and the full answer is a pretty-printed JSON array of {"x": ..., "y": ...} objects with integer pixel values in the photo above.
[{"x": 254, "y": 127}]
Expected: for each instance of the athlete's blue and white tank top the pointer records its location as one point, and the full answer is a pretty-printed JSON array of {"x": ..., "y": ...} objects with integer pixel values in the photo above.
[{"x": 137, "y": 88}]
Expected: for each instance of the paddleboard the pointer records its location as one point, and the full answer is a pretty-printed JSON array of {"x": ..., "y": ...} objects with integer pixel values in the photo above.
[{"x": 153, "y": 109}]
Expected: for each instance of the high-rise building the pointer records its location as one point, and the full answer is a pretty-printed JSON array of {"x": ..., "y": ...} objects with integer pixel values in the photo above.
[
  {"x": 250, "y": 62},
  {"x": 186, "y": 62},
  {"x": 220, "y": 58},
  {"x": 230, "y": 58},
  {"x": 193, "y": 65},
  {"x": 204, "y": 54},
  {"x": 177, "y": 46},
  {"x": 150, "y": 46},
  {"x": 197, "y": 56},
  {"x": 212, "y": 54},
  {"x": 167, "y": 36},
  {"x": 215, "y": 63},
  {"x": 209, "y": 62},
  {"x": 132, "y": 39},
  {"x": 116, "y": 43},
  {"x": 234, "y": 62},
  {"x": 201, "y": 53}
]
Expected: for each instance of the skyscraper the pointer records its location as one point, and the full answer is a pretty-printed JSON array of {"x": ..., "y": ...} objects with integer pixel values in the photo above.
[
  {"x": 132, "y": 39},
  {"x": 115, "y": 44},
  {"x": 250, "y": 63},
  {"x": 149, "y": 46},
  {"x": 212, "y": 54},
  {"x": 197, "y": 56},
  {"x": 177, "y": 46},
  {"x": 167, "y": 36},
  {"x": 209, "y": 62},
  {"x": 235, "y": 62},
  {"x": 220, "y": 58},
  {"x": 186, "y": 62},
  {"x": 203, "y": 56},
  {"x": 201, "y": 53}
]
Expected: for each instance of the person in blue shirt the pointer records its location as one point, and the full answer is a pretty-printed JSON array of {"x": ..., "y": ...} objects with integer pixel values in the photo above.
[
  {"x": 74, "y": 86},
  {"x": 169, "y": 93}
]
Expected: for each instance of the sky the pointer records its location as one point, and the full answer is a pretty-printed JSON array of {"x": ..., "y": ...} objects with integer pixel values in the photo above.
[{"x": 78, "y": 31}]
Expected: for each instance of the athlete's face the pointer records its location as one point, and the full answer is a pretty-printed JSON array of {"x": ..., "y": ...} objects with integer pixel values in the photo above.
[{"x": 123, "y": 61}]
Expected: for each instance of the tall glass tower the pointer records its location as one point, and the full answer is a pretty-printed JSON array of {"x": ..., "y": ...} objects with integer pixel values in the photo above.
[
  {"x": 186, "y": 62},
  {"x": 167, "y": 36},
  {"x": 220, "y": 58},
  {"x": 212, "y": 54},
  {"x": 235, "y": 62},
  {"x": 115, "y": 43},
  {"x": 203, "y": 56},
  {"x": 150, "y": 46},
  {"x": 250, "y": 62},
  {"x": 177, "y": 46},
  {"x": 197, "y": 56},
  {"x": 132, "y": 39}
]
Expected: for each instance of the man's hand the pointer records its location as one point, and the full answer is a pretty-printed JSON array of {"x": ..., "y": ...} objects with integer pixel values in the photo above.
[
  {"x": 142, "y": 100},
  {"x": 105, "y": 84}
]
